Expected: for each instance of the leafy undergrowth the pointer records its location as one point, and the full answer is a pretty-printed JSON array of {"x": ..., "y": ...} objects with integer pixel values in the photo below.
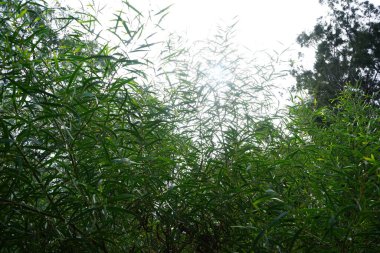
[{"x": 93, "y": 159}]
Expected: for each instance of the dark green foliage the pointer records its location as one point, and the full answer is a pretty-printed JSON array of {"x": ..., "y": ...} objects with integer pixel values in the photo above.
[
  {"x": 79, "y": 141},
  {"x": 338, "y": 168},
  {"x": 347, "y": 44},
  {"x": 92, "y": 160}
]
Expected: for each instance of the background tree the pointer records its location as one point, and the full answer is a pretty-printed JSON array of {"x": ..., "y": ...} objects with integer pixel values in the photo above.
[{"x": 347, "y": 43}]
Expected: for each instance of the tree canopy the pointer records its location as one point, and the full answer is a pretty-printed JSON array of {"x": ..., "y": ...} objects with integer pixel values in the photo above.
[{"x": 347, "y": 44}]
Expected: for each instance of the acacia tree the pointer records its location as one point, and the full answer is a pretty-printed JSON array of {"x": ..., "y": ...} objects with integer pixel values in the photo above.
[{"x": 347, "y": 43}]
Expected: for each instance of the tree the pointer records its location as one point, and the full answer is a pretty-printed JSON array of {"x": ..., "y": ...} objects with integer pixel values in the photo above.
[{"x": 347, "y": 43}]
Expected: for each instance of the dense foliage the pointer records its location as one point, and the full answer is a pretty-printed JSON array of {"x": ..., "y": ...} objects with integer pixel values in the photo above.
[
  {"x": 96, "y": 155},
  {"x": 347, "y": 45}
]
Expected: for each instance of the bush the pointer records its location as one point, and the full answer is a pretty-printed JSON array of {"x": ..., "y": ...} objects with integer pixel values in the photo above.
[{"x": 92, "y": 160}]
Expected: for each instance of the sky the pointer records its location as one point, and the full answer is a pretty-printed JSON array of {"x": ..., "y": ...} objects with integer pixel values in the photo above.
[{"x": 262, "y": 24}]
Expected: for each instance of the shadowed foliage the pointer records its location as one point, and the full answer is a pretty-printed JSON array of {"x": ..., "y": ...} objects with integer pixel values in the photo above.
[{"x": 347, "y": 46}]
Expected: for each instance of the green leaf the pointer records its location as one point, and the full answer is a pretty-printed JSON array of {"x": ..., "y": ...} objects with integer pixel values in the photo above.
[{"x": 21, "y": 14}]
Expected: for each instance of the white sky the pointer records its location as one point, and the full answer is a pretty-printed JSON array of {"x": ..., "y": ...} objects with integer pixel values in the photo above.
[{"x": 263, "y": 24}]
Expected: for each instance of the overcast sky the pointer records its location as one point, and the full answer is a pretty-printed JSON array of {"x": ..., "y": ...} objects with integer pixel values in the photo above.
[{"x": 263, "y": 24}]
